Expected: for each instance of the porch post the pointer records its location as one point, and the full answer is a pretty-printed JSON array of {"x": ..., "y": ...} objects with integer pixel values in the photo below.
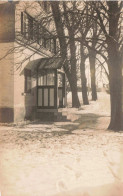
[
  {"x": 56, "y": 90},
  {"x": 65, "y": 93},
  {"x": 37, "y": 87}
]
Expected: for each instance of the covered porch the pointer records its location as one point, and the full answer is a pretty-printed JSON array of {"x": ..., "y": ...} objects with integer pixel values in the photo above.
[{"x": 50, "y": 87}]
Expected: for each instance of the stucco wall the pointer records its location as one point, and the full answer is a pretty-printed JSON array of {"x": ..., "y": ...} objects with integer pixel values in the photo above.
[
  {"x": 12, "y": 80},
  {"x": 12, "y": 83},
  {"x": 24, "y": 103},
  {"x": 7, "y": 22},
  {"x": 6, "y": 82}
]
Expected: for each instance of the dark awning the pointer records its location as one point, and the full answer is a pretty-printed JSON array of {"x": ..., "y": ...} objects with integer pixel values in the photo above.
[
  {"x": 50, "y": 63},
  {"x": 44, "y": 63}
]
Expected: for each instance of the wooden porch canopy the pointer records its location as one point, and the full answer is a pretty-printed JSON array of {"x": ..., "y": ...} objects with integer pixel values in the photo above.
[
  {"x": 44, "y": 63},
  {"x": 50, "y": 63}
]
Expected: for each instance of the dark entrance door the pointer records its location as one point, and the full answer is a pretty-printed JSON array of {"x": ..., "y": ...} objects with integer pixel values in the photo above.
[
  {"x": 61, "y": 89},
  {"x": 60, "y": 96}
]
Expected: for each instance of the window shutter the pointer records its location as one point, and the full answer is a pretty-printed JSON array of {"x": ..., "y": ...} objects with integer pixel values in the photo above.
[{"x": 22, "y": 23}]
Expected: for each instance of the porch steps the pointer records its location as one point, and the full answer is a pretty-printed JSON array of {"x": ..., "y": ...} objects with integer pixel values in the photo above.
[
  {"x": 57, "y": 116},
  {"x": 45, "y": 116}
]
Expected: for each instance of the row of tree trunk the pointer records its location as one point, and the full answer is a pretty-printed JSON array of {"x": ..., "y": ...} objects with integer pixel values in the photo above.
[
  {"x": 70, "y": 65},
  {"x": 110, "y": 46}
]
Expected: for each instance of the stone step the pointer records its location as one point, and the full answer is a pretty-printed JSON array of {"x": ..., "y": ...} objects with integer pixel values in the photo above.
[
  {"x": 51, "y": 116},
  {"x": 45, "y": 116}
]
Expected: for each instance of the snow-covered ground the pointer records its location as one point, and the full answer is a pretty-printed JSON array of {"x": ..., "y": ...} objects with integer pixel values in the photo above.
[{"x": 63, "y": 158}]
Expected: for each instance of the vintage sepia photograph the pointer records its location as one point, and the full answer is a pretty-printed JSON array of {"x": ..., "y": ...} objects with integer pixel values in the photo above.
[{"x": 61, "y": 98}]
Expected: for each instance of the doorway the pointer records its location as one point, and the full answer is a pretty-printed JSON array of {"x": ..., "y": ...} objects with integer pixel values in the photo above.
[{"x": 61, "y": 90}]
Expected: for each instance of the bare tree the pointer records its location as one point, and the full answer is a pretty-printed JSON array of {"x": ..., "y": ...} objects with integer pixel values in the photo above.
[
  {"x": 92, "y": 59},
  {"x": 109, "y": 18},
  {"x": 70, "y": 68},
  {"x": 84, "y": 28},
  {"x": 78, "y": 25}
]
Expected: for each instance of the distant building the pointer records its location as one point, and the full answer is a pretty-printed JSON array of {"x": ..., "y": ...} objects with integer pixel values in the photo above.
[{"x": 32, "y": 83}]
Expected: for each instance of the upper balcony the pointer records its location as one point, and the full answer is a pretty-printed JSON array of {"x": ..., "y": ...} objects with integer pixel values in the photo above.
[{"x": 30, "y": 24}]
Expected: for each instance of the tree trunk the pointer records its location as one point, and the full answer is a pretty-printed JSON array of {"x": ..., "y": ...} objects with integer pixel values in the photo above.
[
  {"x": 75, "y": 99},
  {"x": 115, "y": 68},
  {"x": 73, "y": 62},
  {"x": 92, "y": 57},
  {"x": 83, "y": 78},
  {"x": 115, "y": 84},
  {"x": 115, "y": 81}
]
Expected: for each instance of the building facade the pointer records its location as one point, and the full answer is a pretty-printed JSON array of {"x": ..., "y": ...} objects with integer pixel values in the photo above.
[{"x": 32, "y": 83}]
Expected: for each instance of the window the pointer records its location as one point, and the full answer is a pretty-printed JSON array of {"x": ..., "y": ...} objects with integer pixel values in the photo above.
[
  {"x": 32, "y": 30},
  {"x": 46, "y": 97},
  {"x": 27, "y": 74},
  {"x": 36, "y": 32},
  {"x": 24, "y": 24},
  {"x": 46, "y": 6},
  {"x": 46, "y": 78},
  {"x": 53, "y": 45},
  {"x": 27, "y": 25},
  {"x": 48, "y": 44},
  {"x": 46, "y": 88},
  {"x": 60, "y": 80},
  {"x": 30, "y": 27}
]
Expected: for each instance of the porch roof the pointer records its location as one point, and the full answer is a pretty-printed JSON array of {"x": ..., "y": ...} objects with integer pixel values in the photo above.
[
  {"x": 50, "y": 63},
  {"x": 44, "y": 63}
]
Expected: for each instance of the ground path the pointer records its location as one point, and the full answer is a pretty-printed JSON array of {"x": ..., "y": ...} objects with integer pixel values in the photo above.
[{"x": 61, "y": 158}]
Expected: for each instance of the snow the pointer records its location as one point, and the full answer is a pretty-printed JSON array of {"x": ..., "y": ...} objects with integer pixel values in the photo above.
[{"x": 73, "y": 158}]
